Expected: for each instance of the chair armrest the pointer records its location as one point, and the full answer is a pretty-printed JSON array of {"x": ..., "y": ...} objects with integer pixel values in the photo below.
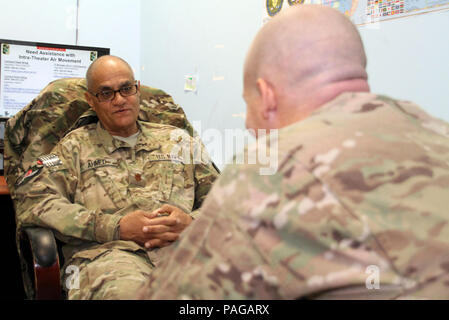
[{"x": 45, "y": 258}]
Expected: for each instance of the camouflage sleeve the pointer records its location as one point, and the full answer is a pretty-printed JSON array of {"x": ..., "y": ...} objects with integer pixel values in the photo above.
[
  {"x": 215, "y": 251},
  {"x": 46, "y": 199},
  {"x": 369, "y": 223},
  {"x": 265, "y": 244},
  {"x": 205, "y": 175}
]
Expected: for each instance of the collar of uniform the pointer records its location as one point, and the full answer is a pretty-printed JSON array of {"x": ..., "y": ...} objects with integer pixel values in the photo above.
[
  {"x": 346, "y": 102},
  {"x": 145, "y": 141}
]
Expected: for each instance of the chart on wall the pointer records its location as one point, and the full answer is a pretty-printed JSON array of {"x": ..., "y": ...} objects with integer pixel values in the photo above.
[
  {"x": 27, "y": 67},
  {"x": 364, "y": 12}
]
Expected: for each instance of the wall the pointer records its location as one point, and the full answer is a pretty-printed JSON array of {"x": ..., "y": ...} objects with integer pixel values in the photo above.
[
  {"x": 101, "y": 23},
  {"x": 40, "y": 21},
  {"x": 204, "y": 37},
  {"x": 407, "y": 58},
  {"x": 113, "y": 24},
  {"x": 167, "y": 40}
]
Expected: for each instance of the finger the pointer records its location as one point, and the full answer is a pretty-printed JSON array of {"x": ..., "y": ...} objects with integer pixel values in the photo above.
[
  {"x": 156, "y": 243},
  {"x": 151, "y": 215},
  {"x": 166, "y": 208},
  {"x": 165, "y": 243},
  {"x": 167, "y": 236},
  {"x": 168, "y": 221},
  {"x": 156, "y": 229}
]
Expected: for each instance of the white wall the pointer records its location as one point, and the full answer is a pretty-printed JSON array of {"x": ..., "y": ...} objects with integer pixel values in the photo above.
[
  {"x": 204, "y": 37},
  {"x": 166, "y": 40},
  {"x": 409, "y": 59},
  {"x": 40, "y": 21},
  {"x": 112, "y": 24}
]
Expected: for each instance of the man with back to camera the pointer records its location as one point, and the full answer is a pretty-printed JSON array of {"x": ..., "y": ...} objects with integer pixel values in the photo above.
[
  {"x": 358, "y": 206},
  {"x": 106, "y": 187}
]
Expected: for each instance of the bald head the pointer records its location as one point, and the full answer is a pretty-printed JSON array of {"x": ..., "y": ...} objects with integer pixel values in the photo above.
[
  {"x": 102, "y": 63},
  {"x": 305, "y": 41},
  {"x": 308, "y": 53}
]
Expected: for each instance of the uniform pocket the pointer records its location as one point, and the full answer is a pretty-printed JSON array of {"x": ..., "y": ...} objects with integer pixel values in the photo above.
[
  {"x": 111, "y": 189},
  {"x": 90, "y": 254},
  {"x": 100, "y": 191},
  {"x": 93, "y": 253},
  {"x": 159, "y": 179},
  {"x": 166, "y": 183}
]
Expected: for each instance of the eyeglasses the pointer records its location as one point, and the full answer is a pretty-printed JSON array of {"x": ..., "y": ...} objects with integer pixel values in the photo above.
[{"x": 109, "y": 94}]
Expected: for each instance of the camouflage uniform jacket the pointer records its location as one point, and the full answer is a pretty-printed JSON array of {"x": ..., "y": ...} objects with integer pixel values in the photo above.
[
  {"x": 99, "y": 179},
  {"x": 358, "y": 208}
]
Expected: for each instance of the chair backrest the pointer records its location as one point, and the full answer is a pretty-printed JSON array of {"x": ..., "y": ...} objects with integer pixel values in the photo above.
[{"x": 61, "y": 107}]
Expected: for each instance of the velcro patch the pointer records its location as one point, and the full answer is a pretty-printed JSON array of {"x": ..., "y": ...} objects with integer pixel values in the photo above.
[
  {"x": 165, "y": 157},
  {"x": 34, "y": 170},
  {"x": 50, "y": 160},
  {"x": 97, "y": 163}
]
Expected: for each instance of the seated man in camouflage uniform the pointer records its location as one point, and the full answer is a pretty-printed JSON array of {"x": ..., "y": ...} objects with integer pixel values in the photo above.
[
  {"x": 358, "y": 207},
  {"x": 106, "y": 186}
]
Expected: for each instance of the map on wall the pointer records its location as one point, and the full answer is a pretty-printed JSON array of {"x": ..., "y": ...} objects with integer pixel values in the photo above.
[{"x": 364, "y": 12}]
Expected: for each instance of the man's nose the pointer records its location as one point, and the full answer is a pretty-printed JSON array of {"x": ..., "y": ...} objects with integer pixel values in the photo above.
[{"x": 118, "y": 99}]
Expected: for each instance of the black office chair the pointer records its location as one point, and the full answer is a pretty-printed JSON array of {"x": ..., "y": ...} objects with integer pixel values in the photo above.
[{"x": 59, "y": 108}]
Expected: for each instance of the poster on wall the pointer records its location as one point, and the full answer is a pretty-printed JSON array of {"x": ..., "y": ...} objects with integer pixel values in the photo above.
[
  {"x": 363, "y": 12},
  {"x": 26, "y": 68}
]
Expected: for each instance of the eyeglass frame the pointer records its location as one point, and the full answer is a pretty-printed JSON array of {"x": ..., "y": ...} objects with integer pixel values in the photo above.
[{"x": 115, "y": 92}]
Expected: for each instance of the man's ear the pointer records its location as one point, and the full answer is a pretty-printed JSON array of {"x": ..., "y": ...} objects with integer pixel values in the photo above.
[
  {"x": 138, "y": 88},
  {"x": 268, "y": 98},
  {"x": 89, "y": 99}
]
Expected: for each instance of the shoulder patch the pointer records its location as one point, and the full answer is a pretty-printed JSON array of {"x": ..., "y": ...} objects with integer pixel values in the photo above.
[
  {"x": 51, "y": 161},
  {"x": 34, "y": 170}
]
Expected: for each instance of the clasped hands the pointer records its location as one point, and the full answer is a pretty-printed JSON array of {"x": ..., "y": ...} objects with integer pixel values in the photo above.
[{"x": 154, "y": 229}]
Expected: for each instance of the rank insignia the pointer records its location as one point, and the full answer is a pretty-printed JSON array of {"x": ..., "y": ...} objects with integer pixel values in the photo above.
[{"x": 136, "y": 178}]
